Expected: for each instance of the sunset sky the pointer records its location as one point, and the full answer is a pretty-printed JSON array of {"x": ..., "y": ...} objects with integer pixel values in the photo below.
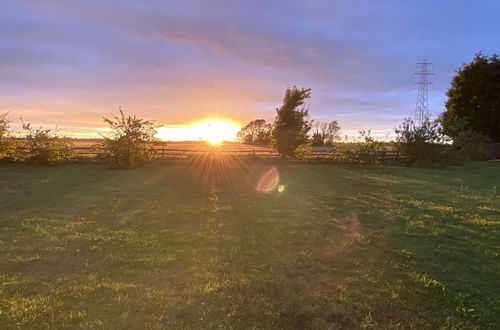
[{"x": 182, "y": 62}]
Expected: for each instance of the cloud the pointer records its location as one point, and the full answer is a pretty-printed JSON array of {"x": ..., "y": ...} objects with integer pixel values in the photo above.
[{"x": 179, "y": 61}]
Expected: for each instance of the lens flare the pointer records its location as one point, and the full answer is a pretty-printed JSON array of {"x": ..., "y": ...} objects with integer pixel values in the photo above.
[{"x": 269, "y": 181}]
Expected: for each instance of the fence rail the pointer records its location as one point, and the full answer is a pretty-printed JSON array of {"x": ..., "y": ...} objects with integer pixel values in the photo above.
[{"x": 384, "y": 156}]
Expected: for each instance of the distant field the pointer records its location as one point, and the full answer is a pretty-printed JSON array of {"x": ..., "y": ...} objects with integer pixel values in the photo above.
[{"x": 192, "y": 244}]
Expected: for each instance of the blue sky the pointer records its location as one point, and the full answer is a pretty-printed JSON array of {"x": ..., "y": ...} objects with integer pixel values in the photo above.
[{"x": 71, "y": 62}]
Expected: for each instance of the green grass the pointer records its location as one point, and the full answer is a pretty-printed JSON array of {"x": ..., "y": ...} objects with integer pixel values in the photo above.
[{"x": 193, "y": 245}]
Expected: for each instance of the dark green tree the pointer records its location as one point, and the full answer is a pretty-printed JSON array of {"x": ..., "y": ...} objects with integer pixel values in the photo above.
[
  {"x": 474, "y": 98},
  {"x": 257, "y": 131},
  {"x": 289, "y": 136}
]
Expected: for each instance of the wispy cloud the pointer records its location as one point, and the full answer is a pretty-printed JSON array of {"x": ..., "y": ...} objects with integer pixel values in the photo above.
[{"x": 179, "y": 61}]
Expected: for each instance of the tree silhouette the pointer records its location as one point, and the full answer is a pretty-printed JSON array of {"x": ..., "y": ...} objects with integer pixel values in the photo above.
[
  {"x": 474, "y": 99},
  {"x": 289, "y": 136},
  {"x": 325, "y": 133},
  {"x": 257, "y": 131}
]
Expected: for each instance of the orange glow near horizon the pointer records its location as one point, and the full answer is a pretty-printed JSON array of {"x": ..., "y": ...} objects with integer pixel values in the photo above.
[{"x": 211, "y": 131}]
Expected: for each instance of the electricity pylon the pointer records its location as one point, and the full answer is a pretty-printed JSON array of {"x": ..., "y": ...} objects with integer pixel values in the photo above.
[{"x": 422, "y": 109}]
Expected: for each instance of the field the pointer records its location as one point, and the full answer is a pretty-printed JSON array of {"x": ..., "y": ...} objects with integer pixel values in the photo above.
[{"x": 191, "y": 244}]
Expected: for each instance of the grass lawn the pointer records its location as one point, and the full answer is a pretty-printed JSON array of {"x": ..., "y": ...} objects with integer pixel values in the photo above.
[{"x": 191, "y": 244}]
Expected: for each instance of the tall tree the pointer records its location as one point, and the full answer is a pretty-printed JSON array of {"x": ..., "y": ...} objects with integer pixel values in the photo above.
[
  {"x": 474, "y": 99},
  {"x": 289, "y": 136},
  {"x": 257, "y": 131}
]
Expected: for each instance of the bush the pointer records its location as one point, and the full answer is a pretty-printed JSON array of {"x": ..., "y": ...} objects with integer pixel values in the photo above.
[
  {"x": 44, "y": 147},
  {"x": 8, "y": 144},
  {"x": 449, "y": 155},
  {"x": 469, "y": 144},
  {"x": 131, "y": 142},
  {"x": 421, "y": 145},
  {"x": 367, "y": 152}
]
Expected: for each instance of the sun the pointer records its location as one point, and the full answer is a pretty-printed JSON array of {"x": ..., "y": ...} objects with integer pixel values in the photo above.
[{"x": 216, "y": 132}]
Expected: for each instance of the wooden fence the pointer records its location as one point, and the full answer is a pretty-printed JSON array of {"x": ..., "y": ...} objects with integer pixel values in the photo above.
[{"x": 384, "y": 156}]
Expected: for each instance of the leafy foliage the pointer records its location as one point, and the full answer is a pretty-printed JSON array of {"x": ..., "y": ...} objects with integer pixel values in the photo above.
[
  {"x": 7, "y": 143},
  {"x": 467, "y": 142},
  {"x": 257, "y": 131},
  {"x": 45, "y": 146},
  {"x": 475, "y": 97},
  {"x": 325, "y": 133},
  {"x": 131, "y": 142},
  {"x": 292, "y": 124},
  {"x": 366, "y": 152},
  {"x": 421, "y": 143}
]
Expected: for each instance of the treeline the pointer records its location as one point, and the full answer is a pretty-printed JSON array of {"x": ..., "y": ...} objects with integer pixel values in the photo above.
[
  {"x": 471, "y": 120},
  {"x": 423, "y": 144},
  {"x": 259, "y": 131}
]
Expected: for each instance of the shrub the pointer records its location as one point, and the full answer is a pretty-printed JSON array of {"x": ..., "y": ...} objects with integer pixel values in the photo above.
[
  {"x": 469, "y": 143},
  {"x": 131, "y": 142},
  {"x": 420, "y": 145},
  {"x": 8, "y": 144},
  {"x": 44, "y": 146},
  {"x": 366, "y": 152},
  {"x": 449, "y": 155}
]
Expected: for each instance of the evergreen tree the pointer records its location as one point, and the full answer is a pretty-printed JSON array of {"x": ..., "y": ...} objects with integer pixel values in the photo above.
[{"x": 289, "y": 136}]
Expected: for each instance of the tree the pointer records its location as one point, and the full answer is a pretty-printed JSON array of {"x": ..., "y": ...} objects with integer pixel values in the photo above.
[
  {"x": 131, "y": 142},
  {"x": 7, "y": 143},
  {"x": 325, "y": 133},
  {"x": 289, "y": 136},
  {"x": 474, "y": 96},
  {"x": 257, "y": 131}
]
